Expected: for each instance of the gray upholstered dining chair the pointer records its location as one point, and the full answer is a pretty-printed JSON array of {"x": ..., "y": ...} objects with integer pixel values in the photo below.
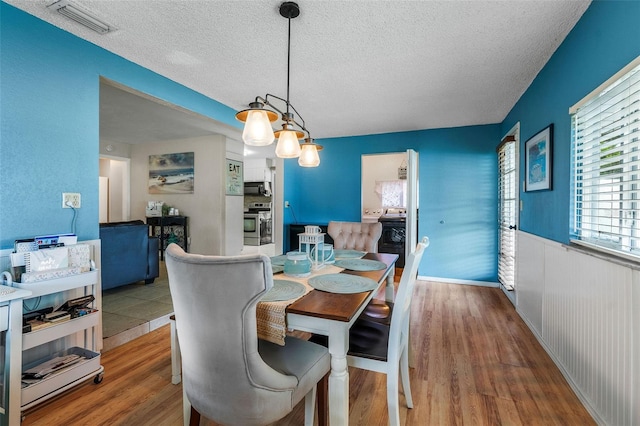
[
  {"x": 228, "y": 374},
  {"x": 355, "y": 235}
]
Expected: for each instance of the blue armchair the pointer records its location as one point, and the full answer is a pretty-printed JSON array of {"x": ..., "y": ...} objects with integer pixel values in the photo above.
[{"x": 129, "y": 254}]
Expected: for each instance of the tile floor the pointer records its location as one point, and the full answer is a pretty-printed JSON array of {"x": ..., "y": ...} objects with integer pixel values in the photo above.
[
  {"x": 135, "y": 309},
  {"x": 132, "y": 310}
]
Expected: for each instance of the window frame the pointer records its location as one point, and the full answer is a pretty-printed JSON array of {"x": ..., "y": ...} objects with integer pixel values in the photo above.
[{"x": 624, "y": 193}]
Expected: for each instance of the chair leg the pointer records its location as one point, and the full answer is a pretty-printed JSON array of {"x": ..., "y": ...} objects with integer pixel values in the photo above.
[
  {"x": 310, "y": 407},
  {"x": 188, "y": 411},
  {"x": 322, "y": 400},
  {"x": 392, "y": 397},
  {"x": 195, "y": 417},
  {"x": 404, "y": 374}
]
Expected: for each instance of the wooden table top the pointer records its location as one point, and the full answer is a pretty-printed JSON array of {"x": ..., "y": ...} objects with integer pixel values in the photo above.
[{"x": 341, "y": 307}]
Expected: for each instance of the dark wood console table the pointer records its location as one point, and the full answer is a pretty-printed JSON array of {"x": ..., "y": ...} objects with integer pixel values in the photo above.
[{"x": 169, "y": 229}]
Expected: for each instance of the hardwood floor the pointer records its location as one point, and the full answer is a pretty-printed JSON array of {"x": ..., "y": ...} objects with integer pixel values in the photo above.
[{"x": 476, "y": 364}]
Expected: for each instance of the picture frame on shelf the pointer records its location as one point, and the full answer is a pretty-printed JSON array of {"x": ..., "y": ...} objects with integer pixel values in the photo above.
[{"x": 538, "y": 160}]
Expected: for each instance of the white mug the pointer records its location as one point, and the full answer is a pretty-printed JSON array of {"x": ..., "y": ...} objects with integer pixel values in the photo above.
[{"x": 311, "y": 229}]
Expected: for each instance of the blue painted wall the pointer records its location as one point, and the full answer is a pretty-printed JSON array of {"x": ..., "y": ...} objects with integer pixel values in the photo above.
[
  {"x": 49, "y": 123},
  {"x": 606, "y": 38},
  {"x": 458, "y": 197}
]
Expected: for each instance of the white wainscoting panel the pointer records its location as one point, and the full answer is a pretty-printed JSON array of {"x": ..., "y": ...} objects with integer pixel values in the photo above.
[
  {"x": 530, "y": 280},
  {"x": 584, "y": 310}
]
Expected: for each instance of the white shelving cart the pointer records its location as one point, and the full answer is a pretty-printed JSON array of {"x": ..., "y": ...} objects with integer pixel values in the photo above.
[{"x": 83, "y": 327}]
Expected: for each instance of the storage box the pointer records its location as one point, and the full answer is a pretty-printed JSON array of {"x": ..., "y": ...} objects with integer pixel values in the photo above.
[{"x": 63, "y": 378}]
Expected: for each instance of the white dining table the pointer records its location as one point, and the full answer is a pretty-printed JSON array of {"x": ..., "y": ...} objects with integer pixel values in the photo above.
[{"x": 332, "y": 315}]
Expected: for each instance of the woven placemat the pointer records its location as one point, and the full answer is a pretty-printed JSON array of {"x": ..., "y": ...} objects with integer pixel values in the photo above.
[{"x": 271, "y": 316}]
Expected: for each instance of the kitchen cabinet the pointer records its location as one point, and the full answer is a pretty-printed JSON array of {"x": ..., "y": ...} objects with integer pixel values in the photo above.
[
  {"x": 257, "y": 175},
  {"x": 257, "y": 170}
]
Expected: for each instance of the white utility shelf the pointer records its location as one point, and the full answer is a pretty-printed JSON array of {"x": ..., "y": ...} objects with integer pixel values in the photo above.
[
  {"x": 75, "y": 374},
  {"x": 41, "y": 288},
  {"x": 65, "y": 379},
  {"x": 58, "y": 330}
]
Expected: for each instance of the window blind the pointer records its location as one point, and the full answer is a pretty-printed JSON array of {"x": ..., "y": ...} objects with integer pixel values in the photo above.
[
  {"x": 605, "y": 134},
  {"x": 507, "y": 190}
]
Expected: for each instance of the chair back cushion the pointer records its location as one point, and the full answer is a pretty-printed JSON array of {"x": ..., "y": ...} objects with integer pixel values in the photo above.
[
  {"x": 224, "y": 376},
  {"x": 355, "y": 235}
]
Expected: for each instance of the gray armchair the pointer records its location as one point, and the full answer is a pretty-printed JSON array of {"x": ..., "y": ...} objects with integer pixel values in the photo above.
[
  {"x": 229, "y": 375},
  {"x": 355, "y": 235}
]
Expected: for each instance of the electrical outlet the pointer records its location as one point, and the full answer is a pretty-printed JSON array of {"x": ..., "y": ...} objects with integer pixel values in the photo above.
[
  {"x": 71, "y": 199},
  {"x": 286, "y": 204}
]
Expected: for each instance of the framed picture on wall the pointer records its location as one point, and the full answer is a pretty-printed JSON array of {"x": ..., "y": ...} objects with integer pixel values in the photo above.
[
  {"x": 538, "y": 152},
  {"x": 234, "y": 183},
  {"x": 171, "y": 173}
]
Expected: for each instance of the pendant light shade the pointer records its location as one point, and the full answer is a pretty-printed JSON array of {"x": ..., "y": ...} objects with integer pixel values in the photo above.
[
  {"x": 257, "y": 130},
  {"x": 257, "y": 124},
  {"x": 288, "y": 145},
  {"x": 309, "y": 156}
]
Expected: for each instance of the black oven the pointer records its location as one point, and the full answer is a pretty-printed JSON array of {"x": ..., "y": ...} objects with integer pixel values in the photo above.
[{"x": 394, "y": 235}]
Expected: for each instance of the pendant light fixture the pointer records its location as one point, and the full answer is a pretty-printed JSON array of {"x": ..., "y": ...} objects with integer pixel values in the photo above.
[
  {"x": 309, "y": 155},
  {"x": 258, "y": 118}
]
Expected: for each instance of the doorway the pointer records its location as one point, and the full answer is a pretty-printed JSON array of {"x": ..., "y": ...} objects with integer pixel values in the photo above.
[
  {"x": 508, "y": 209},
  {"x": 390, "y": 184},
  {"x": 114, "y": 189}
]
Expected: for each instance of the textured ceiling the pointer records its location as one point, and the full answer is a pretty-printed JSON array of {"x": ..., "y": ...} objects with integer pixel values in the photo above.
[{"x": 357, "y": 67}]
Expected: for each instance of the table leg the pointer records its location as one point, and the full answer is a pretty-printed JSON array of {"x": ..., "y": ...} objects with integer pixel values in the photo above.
[
  {"x": 339, "y": 377},
  {"x": 390, "y": 287}
]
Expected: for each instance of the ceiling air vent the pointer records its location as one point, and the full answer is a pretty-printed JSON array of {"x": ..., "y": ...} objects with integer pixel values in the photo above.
[{"x": 81, "y": 16}]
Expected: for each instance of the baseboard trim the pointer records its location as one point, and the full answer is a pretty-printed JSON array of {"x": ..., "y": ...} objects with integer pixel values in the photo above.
[{"x": 457, "y": 281}]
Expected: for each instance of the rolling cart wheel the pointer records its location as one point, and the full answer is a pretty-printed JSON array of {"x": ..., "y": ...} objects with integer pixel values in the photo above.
[{"x": 98, "y": 378}]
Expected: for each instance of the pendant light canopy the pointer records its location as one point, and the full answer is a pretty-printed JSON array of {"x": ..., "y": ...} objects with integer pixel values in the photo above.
[{"x": 258, "y": 118}]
